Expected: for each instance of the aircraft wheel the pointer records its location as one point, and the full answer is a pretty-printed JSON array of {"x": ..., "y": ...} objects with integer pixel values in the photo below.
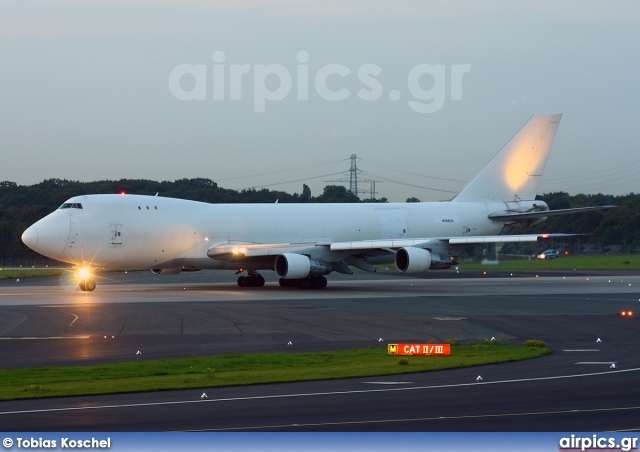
[
  {"x": 304, "y": 283},
  {"x": 318, "y": 282},
  {"x": 251, "y": 281},
  {"x": 87, "y": 285},
  {"x": 283, "y": 282}
]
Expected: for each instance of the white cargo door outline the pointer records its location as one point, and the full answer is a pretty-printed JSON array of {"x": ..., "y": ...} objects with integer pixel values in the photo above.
[
  {"x": 392, "y": 222},
  {"x": 115, "y": 234}
]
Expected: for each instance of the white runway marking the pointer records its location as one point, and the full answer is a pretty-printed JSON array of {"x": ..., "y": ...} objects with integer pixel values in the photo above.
[
  {"x": 608, "y": 363},
  {"x": 310, "y": 394},
  {"x": 583, "y": 350}
]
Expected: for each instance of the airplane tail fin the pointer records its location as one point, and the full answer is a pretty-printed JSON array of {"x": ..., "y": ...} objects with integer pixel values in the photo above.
[{"x": 514, "y": 173}]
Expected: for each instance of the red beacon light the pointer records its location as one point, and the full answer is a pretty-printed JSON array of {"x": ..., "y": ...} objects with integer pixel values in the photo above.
[{"x": 123, "y": 192}]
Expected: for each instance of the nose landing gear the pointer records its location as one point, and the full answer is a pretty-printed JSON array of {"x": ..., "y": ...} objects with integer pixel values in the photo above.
[{"x": 87, "y": 285}]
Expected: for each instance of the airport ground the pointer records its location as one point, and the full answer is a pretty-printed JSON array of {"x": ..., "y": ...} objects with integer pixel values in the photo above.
[{"x": 47, "y": 321}]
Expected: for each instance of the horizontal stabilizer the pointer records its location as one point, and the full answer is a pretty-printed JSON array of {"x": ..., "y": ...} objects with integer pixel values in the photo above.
[{"x": 544, "y": 213}]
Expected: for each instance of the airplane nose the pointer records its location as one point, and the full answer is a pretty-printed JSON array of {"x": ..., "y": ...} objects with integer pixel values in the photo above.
[
  {"x": 30, "y": 237},
  {"x": 49, "y": 235}
]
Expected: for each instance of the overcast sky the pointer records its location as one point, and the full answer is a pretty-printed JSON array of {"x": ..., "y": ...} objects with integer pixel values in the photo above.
[{"x": 424, "y": 93}]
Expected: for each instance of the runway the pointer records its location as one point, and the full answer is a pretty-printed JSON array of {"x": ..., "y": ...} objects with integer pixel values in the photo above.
[{"x": 45, "y": 321}]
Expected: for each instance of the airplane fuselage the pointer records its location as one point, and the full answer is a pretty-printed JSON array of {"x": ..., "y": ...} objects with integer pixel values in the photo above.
[
  {"x": 303, "y": 242},
  {"x": 133, "y": 231}
]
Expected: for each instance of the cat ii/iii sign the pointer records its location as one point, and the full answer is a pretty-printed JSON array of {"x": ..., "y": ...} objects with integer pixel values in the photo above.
[{"x": 419, "y": 349}]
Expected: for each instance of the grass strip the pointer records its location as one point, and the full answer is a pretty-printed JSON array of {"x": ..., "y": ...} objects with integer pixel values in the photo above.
[
  {"x": 30, "y": 272},
  {"x": 242, "y": 369},
  {"x": 595, "y": 262}
]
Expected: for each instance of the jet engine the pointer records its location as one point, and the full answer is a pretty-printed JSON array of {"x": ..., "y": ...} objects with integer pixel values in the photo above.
[
  {"x": 298, "y": 266},
  {"x": 413, "y": 260},
  {"x": 166, "y": 271}
]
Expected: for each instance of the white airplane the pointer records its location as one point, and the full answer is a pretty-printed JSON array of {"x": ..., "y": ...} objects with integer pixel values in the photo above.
[{"x": 302, "y": 242}]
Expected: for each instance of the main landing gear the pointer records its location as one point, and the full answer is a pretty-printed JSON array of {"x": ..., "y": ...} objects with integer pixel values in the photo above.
[
  {"x": 253, "y": 280},
  {"x": 311, "y": 282}
]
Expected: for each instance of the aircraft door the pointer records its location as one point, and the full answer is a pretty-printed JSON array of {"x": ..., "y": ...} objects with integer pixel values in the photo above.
[{"x": 115, "y": 237}]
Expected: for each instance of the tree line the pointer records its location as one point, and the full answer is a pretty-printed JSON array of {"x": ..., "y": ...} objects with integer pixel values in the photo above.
[{"x": 22, "y": 205}]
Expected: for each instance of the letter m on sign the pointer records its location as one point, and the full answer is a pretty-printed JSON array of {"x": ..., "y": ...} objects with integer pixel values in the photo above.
[{"x": 392, "y": 349}]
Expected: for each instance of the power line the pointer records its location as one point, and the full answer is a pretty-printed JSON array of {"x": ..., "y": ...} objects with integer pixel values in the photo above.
[
  {"x": 394, "y": 181},
  {"x": 292, "y": 181},
  {"x": 353, "y": 178},
  {"x": 279, "y": 171},
  {"x": 387, "y": 167}
]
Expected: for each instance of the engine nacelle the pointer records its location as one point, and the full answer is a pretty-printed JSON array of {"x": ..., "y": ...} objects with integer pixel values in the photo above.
[
  {"x": 298, "y": 266},
  {"x": 441, "y": 261},
  {"x": 166, "y": 271},
  {"x": 413, "y": 260}
]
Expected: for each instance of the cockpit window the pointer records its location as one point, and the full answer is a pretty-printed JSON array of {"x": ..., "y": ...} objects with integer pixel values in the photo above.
[{"x": 71, "y": 205}]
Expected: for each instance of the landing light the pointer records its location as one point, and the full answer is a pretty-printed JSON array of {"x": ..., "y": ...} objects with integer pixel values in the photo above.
[{"x": 84, "y": 273}]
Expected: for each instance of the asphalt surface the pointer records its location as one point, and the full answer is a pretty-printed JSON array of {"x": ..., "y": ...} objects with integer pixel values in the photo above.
[{"x": 46, "y": 321}]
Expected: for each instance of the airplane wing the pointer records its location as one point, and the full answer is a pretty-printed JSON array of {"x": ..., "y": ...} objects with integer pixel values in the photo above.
[
  {"x": 234, "y": 251},
  {"x": 470, "y": 240}
]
